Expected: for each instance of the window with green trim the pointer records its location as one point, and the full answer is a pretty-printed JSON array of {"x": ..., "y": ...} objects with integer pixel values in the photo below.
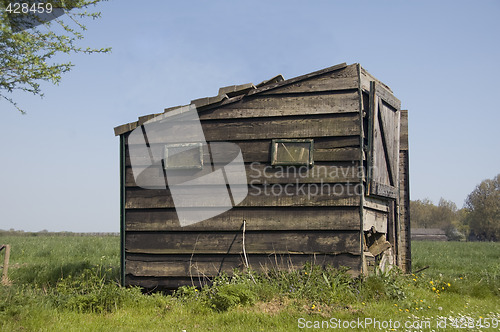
[
  {"x": 183, "y": 156},
  {"x": 296, "y": 152}
]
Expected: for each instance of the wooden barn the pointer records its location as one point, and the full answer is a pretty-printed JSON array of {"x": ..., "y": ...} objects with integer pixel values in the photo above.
[
  {"x": 326, "y": 161},
  {"x": 428, "y": 234}
]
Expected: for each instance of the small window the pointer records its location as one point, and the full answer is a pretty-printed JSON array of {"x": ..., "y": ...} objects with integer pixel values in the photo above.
[
  {"x": 183, "y": 156},
  {"x": 297, "y": 152}
]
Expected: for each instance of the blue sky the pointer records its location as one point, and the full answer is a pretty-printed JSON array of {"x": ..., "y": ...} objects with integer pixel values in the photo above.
[{"x": 60, "y": 161}]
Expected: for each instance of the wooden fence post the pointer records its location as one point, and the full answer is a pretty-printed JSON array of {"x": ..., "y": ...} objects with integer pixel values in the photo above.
[{"x": 5, "y": 279}]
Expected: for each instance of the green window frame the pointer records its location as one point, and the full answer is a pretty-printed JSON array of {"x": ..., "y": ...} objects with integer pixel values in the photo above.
[
  {"x": 183, "y": 156},
  {"x": 292, "y": 152}
]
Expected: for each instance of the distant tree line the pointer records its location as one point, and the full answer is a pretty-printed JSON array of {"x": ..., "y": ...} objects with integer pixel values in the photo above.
[{"x": 478, "y": 220}]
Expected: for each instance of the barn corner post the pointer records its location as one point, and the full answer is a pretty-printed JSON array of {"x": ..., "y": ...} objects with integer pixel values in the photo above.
[
  {"x": 404, "y": 194},
  {"x": 122, "y": 210},
  {"x": 384, "y": 216},
  {"x": 363, "y": 265}
]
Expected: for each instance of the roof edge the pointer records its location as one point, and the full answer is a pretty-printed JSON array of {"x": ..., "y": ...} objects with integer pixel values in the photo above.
[
  {"x": 231, "y": 94},
  {"x": 268, "y": 87}
]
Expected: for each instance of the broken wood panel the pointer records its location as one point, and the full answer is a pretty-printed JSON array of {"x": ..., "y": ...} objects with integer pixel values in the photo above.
[
  {"x": 258, "y": 196},
  {"x": 197, "y": 268},
  {"x": 273, "y": 106},
  {"x": 256, "y": 173},
  {"x": 375, "y": 219},
  {"x": 265, "y": 219},
  {"x": 346, "y": 124},
  {"x": 377, "y": 243}
]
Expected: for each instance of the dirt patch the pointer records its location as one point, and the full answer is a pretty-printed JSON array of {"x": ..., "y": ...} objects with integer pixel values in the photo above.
[{"x": 273, "y": 307}]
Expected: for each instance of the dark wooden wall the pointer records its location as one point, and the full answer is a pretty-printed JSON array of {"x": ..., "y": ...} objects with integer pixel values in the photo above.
[{"x": 281, "y": 231}]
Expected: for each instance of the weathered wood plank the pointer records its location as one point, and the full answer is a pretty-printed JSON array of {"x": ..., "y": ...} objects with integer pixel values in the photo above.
[
  {"x": 377, "y": 156},
  {"x": 256, "y": 173},
  {"x": 258, "y": 196},
  {"x": 278, "y": 106},
  {"x": 120, "y": 130},
  {"x": 376, "y": 204},
  {"x": 388, "y": 97},
  {"x": 383, "y": 91},
  {"x": 264, "y": 219},
  {"x": 162, "y": 283},
  {"x": 344, "y": 124},
  {"x": 262, "y": 242},
  {"x": 389, "y": 126},
  {"x": 325, "y": 83},
  {"x": 172, "y": 271},
  {"x": 383, "y": 190},
  {"x": 299, "y": 78}
]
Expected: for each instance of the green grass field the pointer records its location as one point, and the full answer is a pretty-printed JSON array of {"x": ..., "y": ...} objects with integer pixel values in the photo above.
[{"x": 69, "y": 283}]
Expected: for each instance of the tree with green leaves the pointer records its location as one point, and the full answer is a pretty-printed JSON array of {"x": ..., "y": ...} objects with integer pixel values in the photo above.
[
  {"x": 27, "y": 49},
  {"x": 445, "y": 216},
  {"x": 483, "y": 210}
]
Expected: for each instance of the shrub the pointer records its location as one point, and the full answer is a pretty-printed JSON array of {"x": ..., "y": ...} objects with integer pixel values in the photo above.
[{"x": 91, "y": 291}]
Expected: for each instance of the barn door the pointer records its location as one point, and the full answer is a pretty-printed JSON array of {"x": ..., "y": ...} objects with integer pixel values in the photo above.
[{"x": 383, "y": 143}]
